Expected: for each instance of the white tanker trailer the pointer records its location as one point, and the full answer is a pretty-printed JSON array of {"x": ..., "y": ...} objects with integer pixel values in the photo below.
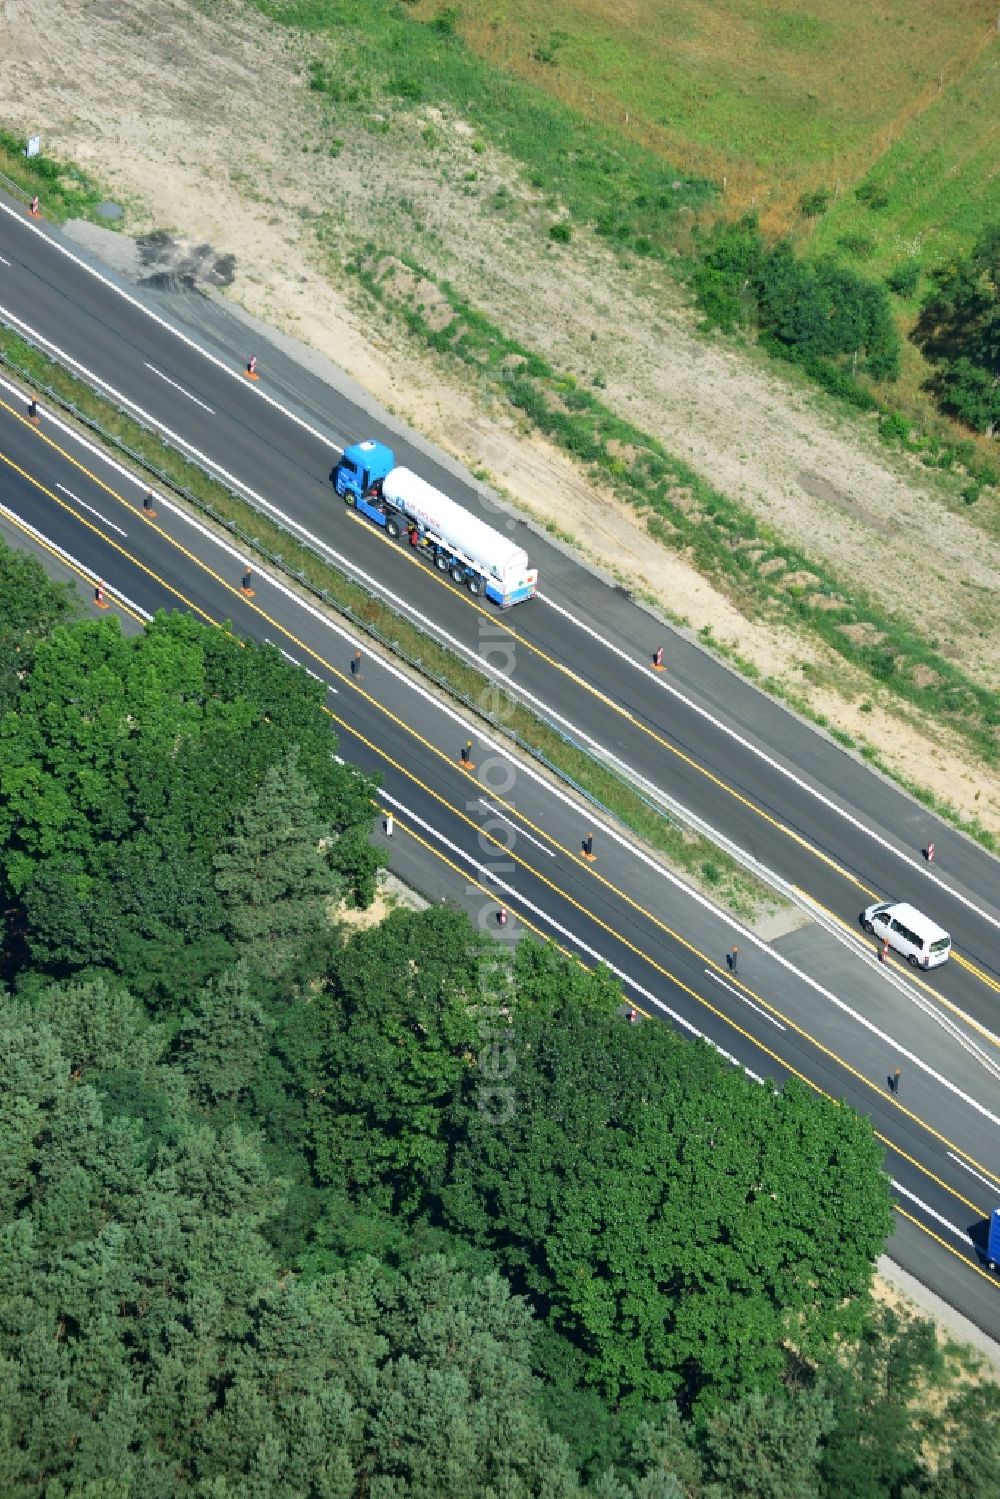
[{"x": 457, "y": 541}]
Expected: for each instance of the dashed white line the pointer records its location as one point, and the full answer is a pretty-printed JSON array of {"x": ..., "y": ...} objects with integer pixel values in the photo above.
[
  {"x": 519, "y": 830},
  {"x": 731, "y": 989},
  {"x": 167, "y": 381},
  {"x": 914, "y": 865},
  {"x": 296, "y": 662},
  {"x": 102, "y": 518},
  {"x": 497, "y": 747},
  {"x": 161, "y": 322},
  {"x": 212, "y": 359},
  {"x": 4, "y": 261}
]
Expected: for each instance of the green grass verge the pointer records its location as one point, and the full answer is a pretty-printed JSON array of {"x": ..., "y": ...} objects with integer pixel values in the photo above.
[
  {"x": 700, "y": 859},
  {"x": 65, "y": 192},
  {"x": 376, "y": 54},
  {"x": 724, "y": 540}
]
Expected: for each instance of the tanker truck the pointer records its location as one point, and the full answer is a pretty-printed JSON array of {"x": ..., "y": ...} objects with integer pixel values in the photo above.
[{"x": 455, "y": 541}]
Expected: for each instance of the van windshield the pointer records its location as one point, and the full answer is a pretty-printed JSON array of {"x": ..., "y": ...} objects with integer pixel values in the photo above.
[{"x": 940, "y": 944}]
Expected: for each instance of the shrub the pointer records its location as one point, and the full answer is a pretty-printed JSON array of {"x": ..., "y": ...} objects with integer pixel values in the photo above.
[
  {"x": 445, "y": 20},
  {"x": 893, "y": 425},
  {"x": 871, "y": 194},
  {"x": 856, "y": 243},
  {"x": 903, "y": 279},
  {"x": 971, "y": 393},
  {"x": 560, "y": 232},
  {"x": 814, "y": 203},
  {"x": 547, "y": 52},
  {"x": 406, "y": 88}
]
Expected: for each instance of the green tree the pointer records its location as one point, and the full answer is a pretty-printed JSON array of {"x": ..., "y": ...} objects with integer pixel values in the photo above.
[
  {"x": 971, "y": 393},
  {"x": 31, "y": 605},
  {"x": 148, "y": 1343},
  {"x": 967, "y": 1439},
  {"x": 959, "y": 331},
  {"x": 375, "y": 1059},
  {"x": 875, "y": 1444},
  {"x": 124, "y": 767},
  {"x": 271, "y": 870},
  {"x": 768, "y": 1446},
  {"x": 664, "y": 1211},
  {"x": 805, "y": 310},
  {"x": 222, "y": 1043}
]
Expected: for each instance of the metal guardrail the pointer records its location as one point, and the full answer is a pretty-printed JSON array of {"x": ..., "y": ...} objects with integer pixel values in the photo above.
[
  {"x": 14, "y": 188},
  {"x": 274, "y": 559},
  {"x": 658, "y": 801}
]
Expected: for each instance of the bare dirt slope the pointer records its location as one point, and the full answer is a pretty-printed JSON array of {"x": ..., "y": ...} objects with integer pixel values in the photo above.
[{"x": 197, "y": 117}]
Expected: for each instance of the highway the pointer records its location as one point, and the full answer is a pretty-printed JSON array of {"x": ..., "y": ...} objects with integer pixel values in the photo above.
[
  {"x": 505, "y": 835},
  {"x": 819, "y": 817}
]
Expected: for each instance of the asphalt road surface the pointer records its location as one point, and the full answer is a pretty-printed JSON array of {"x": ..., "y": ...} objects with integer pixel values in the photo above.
[
  {"x": 503, "y": 835},
  {"x": 580, "y": 652}
]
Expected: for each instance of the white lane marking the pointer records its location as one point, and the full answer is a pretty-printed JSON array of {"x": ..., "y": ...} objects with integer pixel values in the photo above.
[
  {"x": 747, "y": 744},
  {"x": 70, "y": 560},
  {"x": 167, "y": 381},
  {"x": 296, "y": 662},
  {"x": 993, "y": 1182},
  {"x": 103, "y": 518},
  {"x": 519, "y": 900},
  {"x": 322, "y": 437},
  {"x": 606, "y": 830},
  {"x": 302, "y": 667},
  {"x": 517, "y": 827},
  {"x": 286, "y": 520},
  {"x": 957, "y": 1233},
  {"x": 732, "y": 989},
  {"x": 220, "y": 364},
  {"x": 4, "y": 260}
]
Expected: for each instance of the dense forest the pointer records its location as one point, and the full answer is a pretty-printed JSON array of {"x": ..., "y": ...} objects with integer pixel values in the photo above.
[{"x": 292, "y": 1208}]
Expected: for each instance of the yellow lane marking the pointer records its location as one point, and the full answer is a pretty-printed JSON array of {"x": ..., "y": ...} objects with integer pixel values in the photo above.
[
  {"x": 63, "y": 505},
  {"x": 68, "y": 563},
  {"x": 976, "y": 971},
  {"x": 971, "y": 1264},
  {"x": 275, "y": 624},
  {"x": 915, "y": 975},
  {"x": 826, "y": 1051},
  {"x": 624, "y": 713},
  {"x": 471, "y": 880}
]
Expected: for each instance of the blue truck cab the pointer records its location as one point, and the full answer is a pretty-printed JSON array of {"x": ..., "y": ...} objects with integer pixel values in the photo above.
[
  {"x": 358, "y": 479},
  {"x": 993, "y": 1242}
]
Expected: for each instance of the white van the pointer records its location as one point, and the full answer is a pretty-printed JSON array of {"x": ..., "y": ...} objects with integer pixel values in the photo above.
[{"x": 922, "y": 942}]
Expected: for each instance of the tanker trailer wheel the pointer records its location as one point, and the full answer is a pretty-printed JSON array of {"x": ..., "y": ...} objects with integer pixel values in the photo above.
[
  {"x": 474, "y": 585},
  {"x": 392, "y": 529},
  {"x": 458, "y": 574},
  {"x": 441, "y": 562}
]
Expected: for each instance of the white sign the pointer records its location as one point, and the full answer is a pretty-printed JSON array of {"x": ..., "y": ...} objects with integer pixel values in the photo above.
[{"x": 34, "y": 145}]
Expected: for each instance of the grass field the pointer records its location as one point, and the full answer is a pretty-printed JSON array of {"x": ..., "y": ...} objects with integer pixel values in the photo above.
[
  {"x": 937, "y": 184},
  {"x": 773, "y": 95},
  {"x": 608, "y": 102}
]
